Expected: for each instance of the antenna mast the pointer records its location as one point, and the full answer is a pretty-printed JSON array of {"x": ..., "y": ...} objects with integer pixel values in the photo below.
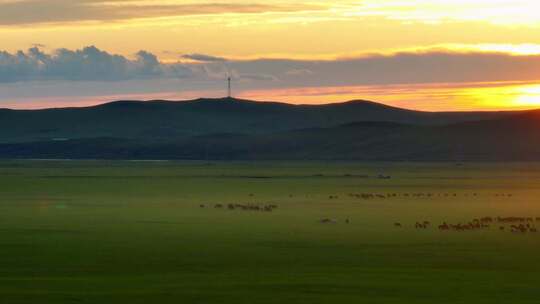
[{"x": 229, "y": 87}]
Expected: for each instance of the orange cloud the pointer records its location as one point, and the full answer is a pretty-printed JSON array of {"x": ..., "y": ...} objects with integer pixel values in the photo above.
[{"x": 69, "y": 11}]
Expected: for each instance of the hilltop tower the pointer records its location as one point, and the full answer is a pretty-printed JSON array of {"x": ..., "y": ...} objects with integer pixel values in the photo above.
[{"x": 229, "y": 95}]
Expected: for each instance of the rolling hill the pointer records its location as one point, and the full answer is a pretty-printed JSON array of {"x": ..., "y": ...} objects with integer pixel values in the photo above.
[
  {"x": 166, "y": 120},
  {"x": 228, "y": 129}
]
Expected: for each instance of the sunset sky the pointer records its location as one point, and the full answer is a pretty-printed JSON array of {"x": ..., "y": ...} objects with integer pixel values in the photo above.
[{"x": 421, "y": 54}]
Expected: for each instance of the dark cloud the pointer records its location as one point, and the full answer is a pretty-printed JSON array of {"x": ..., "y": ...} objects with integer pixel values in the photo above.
[
  {"x": 38, "y": 45},
  {"x": 91, "y": 63},
  {"x": 148, "y": 64},
  {"x": 401, "y": 68},
  {"x": 60, "y": 11},
  {"x": 203, "y": 58},
  {"x": 87, "y": 64},
  {"x": 215, "y": 71},
  {"x": 299, "y": 72},
  {"x": 257, "y": 77}
]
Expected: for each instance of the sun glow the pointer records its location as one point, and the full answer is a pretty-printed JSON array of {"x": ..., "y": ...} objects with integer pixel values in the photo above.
[
  {"x": 522, "y": 96},
  {"x": 424, "y": 97},
  {"x": 512, "y": 49},
  {"x": 528, "y": 96},
  {"x": 503, "y": 12}
]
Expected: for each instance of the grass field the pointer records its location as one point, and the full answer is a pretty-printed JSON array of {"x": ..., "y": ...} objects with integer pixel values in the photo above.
[{"x": 134, "y": 232}]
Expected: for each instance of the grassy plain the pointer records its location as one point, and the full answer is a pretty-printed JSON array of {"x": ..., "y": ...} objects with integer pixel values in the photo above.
[{"x": 133, "y": 232}]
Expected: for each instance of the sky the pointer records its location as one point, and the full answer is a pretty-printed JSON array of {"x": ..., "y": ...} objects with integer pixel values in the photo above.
[{"x": 432, "y": 55}]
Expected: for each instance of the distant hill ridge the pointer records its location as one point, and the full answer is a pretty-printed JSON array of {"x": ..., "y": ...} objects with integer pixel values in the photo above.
[
  {"x": 160, "y": 119},
  {"x": 229, "y": 128}
]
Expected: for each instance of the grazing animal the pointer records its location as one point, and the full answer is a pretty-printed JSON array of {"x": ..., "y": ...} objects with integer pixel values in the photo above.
[
  {"x": 328, "y": 221},
  {"x": 444, "y": 226},
  {"x": 521, "y": 228},
  {"x": 202, "y": 206},
  {"x": 501, "y": 228},
  {"x": 486, "y": 219},
  {"x": 398, "y": 225},
  {"x": 218, "y": 206},
  {"x": 420, "y": 225},
  {"x": 347, "y": 221}
]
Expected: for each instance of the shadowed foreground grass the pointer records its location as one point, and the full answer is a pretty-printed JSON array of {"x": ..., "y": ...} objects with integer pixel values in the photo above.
[{"x": 133, "y": 232}]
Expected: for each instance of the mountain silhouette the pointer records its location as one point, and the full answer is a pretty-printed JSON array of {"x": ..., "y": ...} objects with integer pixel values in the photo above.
[{"x": 231, "y": 129}]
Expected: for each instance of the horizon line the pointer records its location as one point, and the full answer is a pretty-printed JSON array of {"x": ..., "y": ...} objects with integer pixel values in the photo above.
[{"x": 359, "y": 100}]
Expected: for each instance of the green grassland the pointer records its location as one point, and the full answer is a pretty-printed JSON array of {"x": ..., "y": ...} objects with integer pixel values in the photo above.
[{"x": 134, "y": 232}]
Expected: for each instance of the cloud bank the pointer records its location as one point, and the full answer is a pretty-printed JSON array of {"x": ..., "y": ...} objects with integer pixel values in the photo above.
[
  {"x": 54, "y": 11},
  {"x": 399, "y": 68},
  {"x": 93, "y": 64},
  {"x": 87, "y": 64},
  {"x": 203, "y": 58}
]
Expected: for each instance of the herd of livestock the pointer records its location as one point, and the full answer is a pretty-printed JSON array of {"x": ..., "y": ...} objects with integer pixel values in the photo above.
[
  {"x": 368, "y": 196},
  {"x": 244, "y": 207},
  {"x": 513, "y": 224}
]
